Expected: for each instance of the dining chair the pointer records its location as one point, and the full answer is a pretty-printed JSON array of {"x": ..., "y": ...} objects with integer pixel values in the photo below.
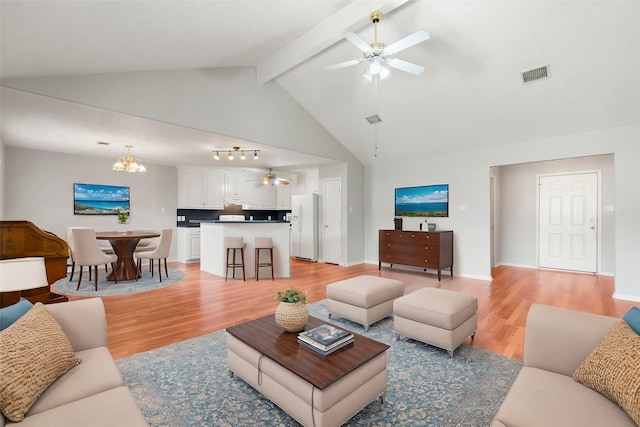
[
  {"x": 161, "y": 252},
  {"x": 71, "y": 251},
  {"x": 147, "y": 245},
  {"x": 87, "y": 252},
  {"x": 105, "y": 245}
]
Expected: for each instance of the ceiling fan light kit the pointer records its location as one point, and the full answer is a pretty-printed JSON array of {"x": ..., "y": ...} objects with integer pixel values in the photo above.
[
  {"x": 380, "y": 56},
  {"x": 271, "y": 178},
  {"x": 232, "y": 150}
]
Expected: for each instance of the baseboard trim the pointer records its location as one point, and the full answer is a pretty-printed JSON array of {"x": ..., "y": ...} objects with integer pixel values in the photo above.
[{"x": 626, "y": 297}]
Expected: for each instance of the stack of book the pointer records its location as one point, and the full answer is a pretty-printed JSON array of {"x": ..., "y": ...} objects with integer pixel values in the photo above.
[{"x": 325, "y": 339}]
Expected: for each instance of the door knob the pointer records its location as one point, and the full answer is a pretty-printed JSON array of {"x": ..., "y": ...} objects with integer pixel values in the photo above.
[{"x": 593, "y": 227}]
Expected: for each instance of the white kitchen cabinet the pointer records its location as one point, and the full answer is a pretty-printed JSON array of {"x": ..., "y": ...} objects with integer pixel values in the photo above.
[
  {"x": 269, "y": 201},
  {"x": 236, "y": 188},
  {"x": 283, "y": 197},
  {"x": 200, "y": 188},
  {"x": 261, "y": 196},
  {"x": 188, "y": 244}
]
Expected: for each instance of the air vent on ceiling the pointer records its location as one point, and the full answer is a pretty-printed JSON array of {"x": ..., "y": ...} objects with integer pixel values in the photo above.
[
  {"x": 374, "y": 119},
  {"x": 103, "y": 143},
  {"x": 535, "y": 75}
]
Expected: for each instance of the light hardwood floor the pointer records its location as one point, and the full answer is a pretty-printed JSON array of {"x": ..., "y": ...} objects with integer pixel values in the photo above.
[{"x": 204, "y": 303}]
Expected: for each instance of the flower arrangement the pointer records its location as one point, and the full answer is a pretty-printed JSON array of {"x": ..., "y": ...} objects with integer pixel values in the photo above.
[
  {"x": 123, "y": 216},
  {"x": 292, "y": 295}
]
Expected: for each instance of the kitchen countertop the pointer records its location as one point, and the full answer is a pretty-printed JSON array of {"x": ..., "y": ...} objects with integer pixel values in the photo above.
[{"x": 196, "y": 222}]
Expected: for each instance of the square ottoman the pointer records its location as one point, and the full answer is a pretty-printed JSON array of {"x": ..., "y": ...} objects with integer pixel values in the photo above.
[
  {"x": 438, "y": 317},
  {"x": 363, "y": 299}
]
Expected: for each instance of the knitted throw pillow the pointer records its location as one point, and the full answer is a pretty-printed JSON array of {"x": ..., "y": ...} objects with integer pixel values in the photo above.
[
  {"x": 613, "y": 368},
  {"x": 34, "y": 352}
]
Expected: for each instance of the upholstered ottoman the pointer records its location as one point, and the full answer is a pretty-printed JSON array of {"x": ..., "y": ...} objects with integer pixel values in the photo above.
[
  {"x": 363, "y": 299},
  {"x": 438, "y": 317}
]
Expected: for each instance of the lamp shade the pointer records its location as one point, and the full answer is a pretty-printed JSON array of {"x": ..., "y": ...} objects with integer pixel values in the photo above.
[{"x": 18, "y": 274}]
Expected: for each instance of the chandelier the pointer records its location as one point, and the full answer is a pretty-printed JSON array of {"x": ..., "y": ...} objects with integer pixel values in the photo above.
[
  {"x": 234, "y": 151},
  {"x": 128, "y": 163}
]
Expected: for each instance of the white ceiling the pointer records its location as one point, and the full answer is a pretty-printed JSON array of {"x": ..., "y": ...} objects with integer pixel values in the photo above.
[{"x": 470, "y": 95}]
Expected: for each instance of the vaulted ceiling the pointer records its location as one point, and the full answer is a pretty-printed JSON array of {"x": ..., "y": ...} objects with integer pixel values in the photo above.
[{"x": 470, "y": 96}]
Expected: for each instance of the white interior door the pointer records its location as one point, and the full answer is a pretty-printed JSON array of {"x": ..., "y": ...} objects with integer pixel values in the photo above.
[
  {"x": 569, "y": 221},
  {"x": 332, "y": 211}
]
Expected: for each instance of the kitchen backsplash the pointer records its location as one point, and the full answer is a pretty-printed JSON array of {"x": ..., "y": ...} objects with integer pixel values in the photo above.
[{"x": 183, "y": 216}]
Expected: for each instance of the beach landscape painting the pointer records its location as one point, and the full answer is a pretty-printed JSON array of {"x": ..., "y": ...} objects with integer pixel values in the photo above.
[
  {"x": 422, "y": 201},
  {"x": 98, "y": 199}
]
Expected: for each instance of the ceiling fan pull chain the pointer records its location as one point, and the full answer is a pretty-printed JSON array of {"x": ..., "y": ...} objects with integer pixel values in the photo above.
[{"x": 375, "y": 110}]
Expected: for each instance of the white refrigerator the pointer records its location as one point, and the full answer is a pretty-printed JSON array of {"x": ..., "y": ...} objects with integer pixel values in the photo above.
[{"x": 304, "y": 226}]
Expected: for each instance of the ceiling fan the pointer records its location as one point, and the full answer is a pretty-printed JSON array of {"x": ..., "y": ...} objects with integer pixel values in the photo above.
[
  {"x": 381, "y": 57},
  {"x": 270, "y": 178}
]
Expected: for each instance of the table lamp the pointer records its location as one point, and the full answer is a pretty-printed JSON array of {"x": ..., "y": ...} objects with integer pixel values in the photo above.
[{"x": 19, "y": 274}]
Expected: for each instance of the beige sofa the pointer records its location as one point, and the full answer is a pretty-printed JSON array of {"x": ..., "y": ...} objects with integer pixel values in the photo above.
[
  {"x": 545, "y": 393},
  {"x": 91, "y": 394}
]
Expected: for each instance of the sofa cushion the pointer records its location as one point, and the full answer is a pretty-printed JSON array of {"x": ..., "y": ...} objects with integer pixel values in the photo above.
[
  {"x": 543, "y": 398},
  {"x": 34, "y": 351},
  {"x": 632, "y": 317},
  {"x": 97, "y": 373},
  {"x": 613, "y": 368},
  {"x": 115, "y": 407},
  {"x": 9, "y": 315}
]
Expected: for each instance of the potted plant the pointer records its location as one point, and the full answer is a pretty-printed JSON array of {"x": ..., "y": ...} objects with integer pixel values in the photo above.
[
  {"x": 123, "y": 219},
  {"x": 292, "y": 314}
]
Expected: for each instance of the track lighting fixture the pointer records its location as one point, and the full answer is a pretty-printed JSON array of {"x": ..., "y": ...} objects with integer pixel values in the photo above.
[{"x": 232, "y": 150}]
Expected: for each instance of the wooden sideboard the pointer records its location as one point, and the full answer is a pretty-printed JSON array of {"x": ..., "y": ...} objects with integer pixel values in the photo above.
[{"x": 424, "y": 249}]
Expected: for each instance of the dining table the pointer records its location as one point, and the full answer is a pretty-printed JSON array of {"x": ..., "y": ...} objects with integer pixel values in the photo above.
[{"x": 124, "y": 245}]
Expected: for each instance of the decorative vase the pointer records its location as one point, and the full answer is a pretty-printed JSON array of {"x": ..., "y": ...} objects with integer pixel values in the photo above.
[
  {"x": 122, "y": 228},
  {"x": 292, "y": 316}
]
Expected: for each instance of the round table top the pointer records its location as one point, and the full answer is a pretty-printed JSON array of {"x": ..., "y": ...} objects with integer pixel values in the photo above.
[{"x": 135, "y": 234}]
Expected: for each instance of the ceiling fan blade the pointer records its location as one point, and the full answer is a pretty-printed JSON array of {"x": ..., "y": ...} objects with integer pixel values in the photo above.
[
  {"x": 409, "y": 67},
  {"x": 358, "y": 42},
  {"x": 410, "y": 40},
  {"x": 343, "y": 64}
]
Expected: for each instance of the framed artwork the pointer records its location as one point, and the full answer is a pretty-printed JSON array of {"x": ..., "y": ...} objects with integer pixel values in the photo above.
[{"x": 97, "y": 199}]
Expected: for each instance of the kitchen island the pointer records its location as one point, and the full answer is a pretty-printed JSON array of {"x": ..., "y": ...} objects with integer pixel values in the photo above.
[{"x": 213, "y": 253}]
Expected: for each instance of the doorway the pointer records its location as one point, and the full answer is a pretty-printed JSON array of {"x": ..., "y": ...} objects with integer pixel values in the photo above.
[
  {"x": 332, "y": 234},
  {"x": 568, "y": 221}
]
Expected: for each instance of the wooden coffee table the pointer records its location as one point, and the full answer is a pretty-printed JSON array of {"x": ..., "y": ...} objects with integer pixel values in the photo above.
[{"x": 312, "y": 388}]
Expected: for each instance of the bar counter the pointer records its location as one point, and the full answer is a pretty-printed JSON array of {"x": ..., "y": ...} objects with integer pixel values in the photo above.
[{"x": 213, "y": 253}]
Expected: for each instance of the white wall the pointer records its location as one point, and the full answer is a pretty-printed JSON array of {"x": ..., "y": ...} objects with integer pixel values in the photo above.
[
  {"x": 2, "y": 162},
  {"x": 467, "y": 174},
  {"x": 517, "y": 187},
  {"x": 39, "y": 188},
  {"x": 227, "y": 101}
]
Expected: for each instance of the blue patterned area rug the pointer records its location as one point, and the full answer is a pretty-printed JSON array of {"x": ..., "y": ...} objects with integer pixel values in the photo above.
[
  {"x": 187, "y": 384},
  {"x": 107, "y": 288}
]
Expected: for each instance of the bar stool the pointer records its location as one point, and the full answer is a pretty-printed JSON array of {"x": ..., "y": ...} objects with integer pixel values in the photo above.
[
  {"x": 234, "y": 244},
  {"x": 264, "y": 243}
]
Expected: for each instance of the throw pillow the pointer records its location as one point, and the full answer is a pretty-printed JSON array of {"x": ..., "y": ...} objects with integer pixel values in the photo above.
[
  {"x": 34, "y": 352},
  {"x": 633, "y": 319},
  {"x": 10, "y": 314},
  {"x": 613, "y": 368}
]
